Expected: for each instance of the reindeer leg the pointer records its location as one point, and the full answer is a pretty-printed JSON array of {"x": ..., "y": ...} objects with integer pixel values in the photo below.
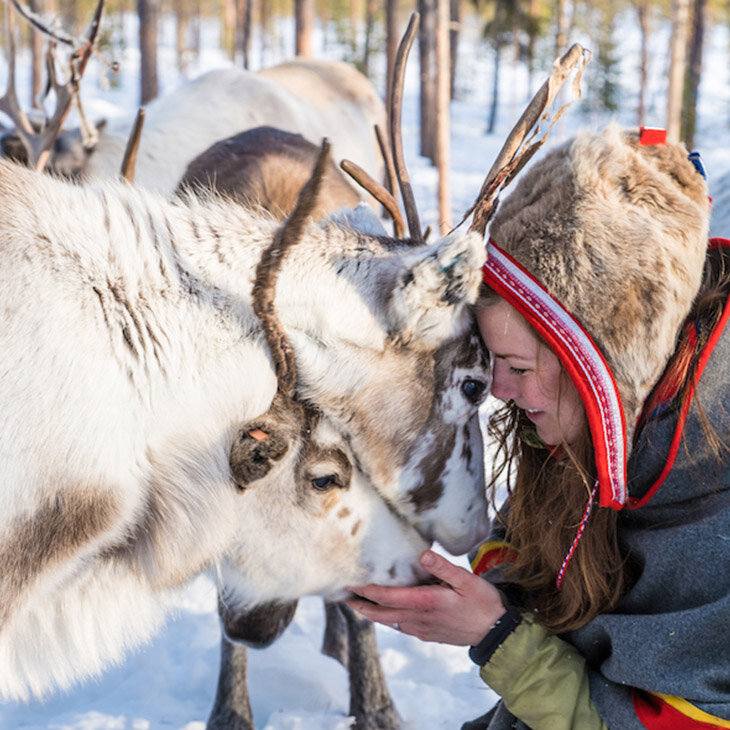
[
  {"x": 334, "y": 643},
  {"x": 232, "y": 707},
  {"x": 370, "y": 701},
  {"x": 256, "y": 627}
]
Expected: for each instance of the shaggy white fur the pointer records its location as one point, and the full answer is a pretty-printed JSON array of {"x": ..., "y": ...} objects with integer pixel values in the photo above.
[{"x": 130, "y": 360}]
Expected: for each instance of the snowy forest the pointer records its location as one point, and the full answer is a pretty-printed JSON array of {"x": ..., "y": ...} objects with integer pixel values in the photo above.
[
  {"x": 528, "y": 32},
  {"x": 648, "y": 58}
]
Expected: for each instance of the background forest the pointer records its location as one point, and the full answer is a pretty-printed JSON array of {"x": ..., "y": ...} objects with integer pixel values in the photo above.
[
  {"x": 526, "y": 32},
  {"x": 649, "y": 57}
]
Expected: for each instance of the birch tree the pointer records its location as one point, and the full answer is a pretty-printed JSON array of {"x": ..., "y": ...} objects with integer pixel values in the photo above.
[
  {"x": 427, "y": 66},
  {"x": 642, "y": 7},
  {"x": 304, "y": 24},
  {"x": 694, "y": 71},
  {"x": 443, "y": 127},
  {"x": 677, "y": 64},
  {"x": 148, "y": 12}
]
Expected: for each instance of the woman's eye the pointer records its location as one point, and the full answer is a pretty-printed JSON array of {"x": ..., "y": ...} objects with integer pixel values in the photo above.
[
  {"x": 517, "y": 371},
  {"x": 474, "y": 390},
  {"x": 324, "y": 483}
]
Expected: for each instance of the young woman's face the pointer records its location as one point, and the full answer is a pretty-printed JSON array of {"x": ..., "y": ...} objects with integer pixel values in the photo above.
[{"x": 527, "y": 372}]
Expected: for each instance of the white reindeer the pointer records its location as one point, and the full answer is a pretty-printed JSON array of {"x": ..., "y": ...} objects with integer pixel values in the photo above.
[{"x": 135, "y": 377}]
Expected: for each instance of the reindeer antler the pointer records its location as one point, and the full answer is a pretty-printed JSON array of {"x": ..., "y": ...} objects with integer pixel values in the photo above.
[
  {"x": 38, "y": 145},
  {"x": 510, "y": 159},
  {"x": 394, "y": 164},
  {"x": 385, "y": 152},
  {"x": 395, "y": 104},
  {"x": 384, "y": 195},
  {"x": 378, "y": 191},
  {"x": 130, "y": 152},
  {"x": 267, "y": 272}
]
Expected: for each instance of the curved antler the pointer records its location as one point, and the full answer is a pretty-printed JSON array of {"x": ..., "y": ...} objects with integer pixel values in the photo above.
[
  {"x": 394, "y": 163},
  {"x": 130, "y": 152},
  {"x": 510, "y": 160},
  {"x": 267, "y": 272},
  {"x": 390, "y": 174},
  {"x": 378, "y": 191},
  {"x": 396, "y": 137}
]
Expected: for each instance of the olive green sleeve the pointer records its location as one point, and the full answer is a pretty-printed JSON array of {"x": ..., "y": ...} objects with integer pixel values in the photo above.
[{"x": 542, "y": 680}]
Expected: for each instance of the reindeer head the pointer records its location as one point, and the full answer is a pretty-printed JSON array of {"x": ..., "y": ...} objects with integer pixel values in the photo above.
[
  {"x": 406, "y": 403},
  {"x": 411, "y": 419},
  {"x": 301, "y": 477}
]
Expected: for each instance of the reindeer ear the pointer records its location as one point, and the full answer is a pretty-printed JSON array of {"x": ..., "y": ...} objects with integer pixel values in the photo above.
[
  {"x": 430, "y": 297},
  {"x": 254, "y": 452}
]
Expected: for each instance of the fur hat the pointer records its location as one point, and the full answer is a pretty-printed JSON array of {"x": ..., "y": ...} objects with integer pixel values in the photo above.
[{"x": 616, "y": 231}]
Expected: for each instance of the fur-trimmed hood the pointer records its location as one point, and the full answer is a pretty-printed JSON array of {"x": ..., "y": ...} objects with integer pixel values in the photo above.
[{"x": 615, "y": 230}]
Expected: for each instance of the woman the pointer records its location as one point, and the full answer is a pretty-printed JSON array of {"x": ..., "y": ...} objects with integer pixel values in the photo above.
[{"x": 606, "y": 602}]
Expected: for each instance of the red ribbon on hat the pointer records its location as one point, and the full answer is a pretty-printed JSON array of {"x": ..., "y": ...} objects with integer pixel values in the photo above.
[{"x": 582, "y": 360}]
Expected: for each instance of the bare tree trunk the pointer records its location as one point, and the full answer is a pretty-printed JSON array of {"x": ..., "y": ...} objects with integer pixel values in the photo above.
[
  {"x": 694, "y": 72},
  {"x": 182, "y": 27},
  {"x": 643, "y": 8},
  {"x": 677, "y": 63},
  {"x": 304, "y": 24},
  {"x": 561, "y": 35},
  {"x": 443, "y": 128},
  {"x": 228, "y": 28},
  {"x": 533, "y": 30},
  {"x": 427, "y": 58},
  {"x": 264, "y": 23},
  {"x": 391, "y": 42},
  {"x": 454, "y": 33},
  {"x": 36, "y": 45},
  {"x": 148, "y": 11},
  {"x": 371, "y": 9},
  {"x": 197, "y": 22},
  {"x": 492, "y": 119},
  {"x": 243, "y": 31}
]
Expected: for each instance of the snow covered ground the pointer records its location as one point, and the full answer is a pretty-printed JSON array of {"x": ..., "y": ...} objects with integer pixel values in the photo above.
[{"x": 170, "y": 684}]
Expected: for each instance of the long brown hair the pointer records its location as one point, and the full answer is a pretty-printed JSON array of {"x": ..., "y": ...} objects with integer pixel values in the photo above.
[{"x": 548, "y": 490}]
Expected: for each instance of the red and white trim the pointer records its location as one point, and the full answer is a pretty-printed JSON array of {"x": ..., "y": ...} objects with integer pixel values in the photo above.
[{"x": 582, "y": 360}]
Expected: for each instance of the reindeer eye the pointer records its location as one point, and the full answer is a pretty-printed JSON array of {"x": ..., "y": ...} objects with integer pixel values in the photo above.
[
  {"x": 473, "y": 390},
  {"x": 324, "y": 483}
]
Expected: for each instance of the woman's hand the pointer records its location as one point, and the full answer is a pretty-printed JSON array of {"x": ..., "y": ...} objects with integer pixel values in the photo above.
[{"x": 460, "y": 610}]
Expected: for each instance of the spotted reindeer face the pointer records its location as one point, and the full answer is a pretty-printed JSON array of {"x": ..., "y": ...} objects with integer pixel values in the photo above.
[
  {"x": 406, "y": 376},
  {"x": 297, "y": 476}
]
